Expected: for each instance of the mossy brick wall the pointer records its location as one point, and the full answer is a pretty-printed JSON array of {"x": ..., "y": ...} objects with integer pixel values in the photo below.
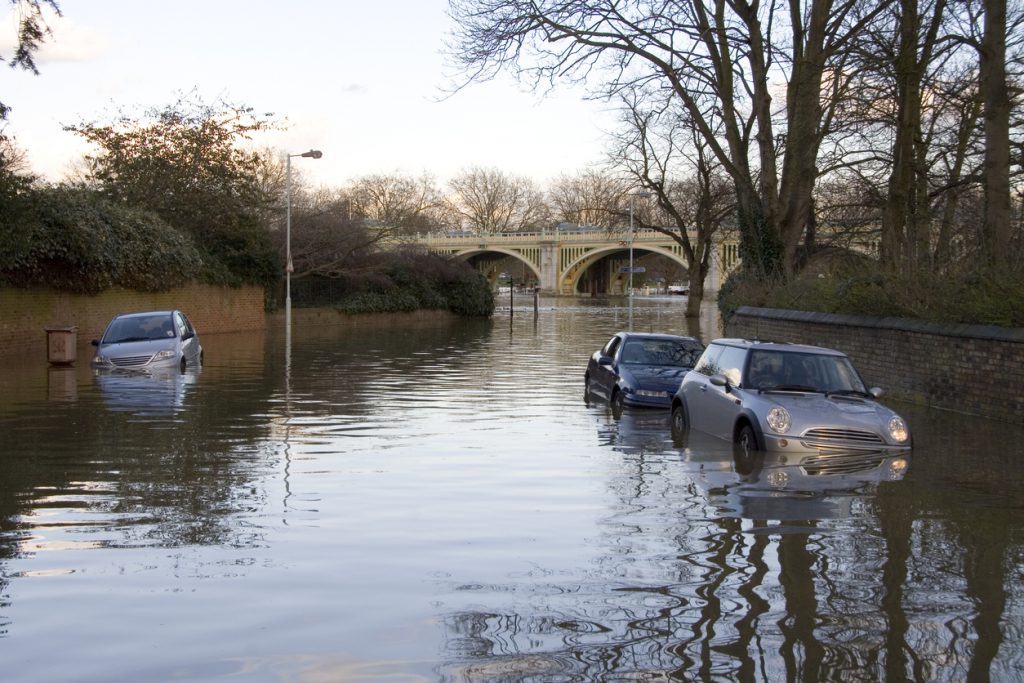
[
  {"x": 972, "y": 369},
  {"x": 26, "y": 313}
]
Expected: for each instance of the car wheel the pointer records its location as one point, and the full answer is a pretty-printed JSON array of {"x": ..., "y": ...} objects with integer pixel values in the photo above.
[
  {"x": 618, "y": 404},
  {"x": 745, "y": 451},
  {"x": 680, "y": 425},
  {"x": 586, "y": 389},
  {"x": 183, "y": 365}
]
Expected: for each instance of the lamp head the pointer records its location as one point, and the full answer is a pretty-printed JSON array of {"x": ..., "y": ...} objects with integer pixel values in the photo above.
[{"x": 312, "y": 154}]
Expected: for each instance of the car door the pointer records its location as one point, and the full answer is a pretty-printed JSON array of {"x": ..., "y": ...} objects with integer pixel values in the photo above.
[
  {"x": 722, "y": 404},
  {"x": 605, "y": 374},
  {"x": 696, "y": 384},
  {"x": 189, "y": 343}
]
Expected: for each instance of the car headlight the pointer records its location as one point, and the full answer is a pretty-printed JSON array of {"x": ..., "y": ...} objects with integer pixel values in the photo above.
[
  {"x": 779, "y": 420},
  {"x": 166, "y": 353},
  {"x": 898, "y": 429},
  {"x": 100, "y": 360},
  {"x": 651, "y": 393}
]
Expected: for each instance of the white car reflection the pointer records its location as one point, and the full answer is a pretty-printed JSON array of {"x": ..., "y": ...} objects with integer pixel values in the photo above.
[
  {"x": 155, "y": 393},
  {"x": 787, "y": 488}
]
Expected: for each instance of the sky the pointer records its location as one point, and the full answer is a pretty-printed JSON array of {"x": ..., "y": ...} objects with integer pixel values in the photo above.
[{"x": 365, "y": 82}]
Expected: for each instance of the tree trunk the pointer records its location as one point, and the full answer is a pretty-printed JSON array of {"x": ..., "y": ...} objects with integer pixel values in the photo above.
[
  {"x": 996, "y": 98},
  {"x": 899, "y": 220}
]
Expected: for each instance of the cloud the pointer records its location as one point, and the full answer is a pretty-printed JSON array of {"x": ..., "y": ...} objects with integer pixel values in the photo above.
[
  {"x": 354, "y": 89},
  {"x": 67, "y": 42}
]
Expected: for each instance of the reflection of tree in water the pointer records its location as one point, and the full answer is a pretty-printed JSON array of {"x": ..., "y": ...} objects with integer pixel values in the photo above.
[
  {"x": 147, "y": 474},
  {"x": 678, "y": 592}
]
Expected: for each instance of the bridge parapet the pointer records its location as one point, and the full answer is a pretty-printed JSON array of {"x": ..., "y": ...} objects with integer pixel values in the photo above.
[{"x": 560, "y": 257}]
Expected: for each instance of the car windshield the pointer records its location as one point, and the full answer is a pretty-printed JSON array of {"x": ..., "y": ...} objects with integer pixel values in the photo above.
[
  {"x": 139, "y": 328},
  {"x": 669, "y": 352},
  {"x": 782, "y": 370}
]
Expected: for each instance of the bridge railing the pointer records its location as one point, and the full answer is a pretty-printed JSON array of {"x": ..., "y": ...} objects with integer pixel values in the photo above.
[{"x": 557, "y": 236}]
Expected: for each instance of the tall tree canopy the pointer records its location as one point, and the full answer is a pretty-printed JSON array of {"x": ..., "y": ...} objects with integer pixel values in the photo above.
[{"x": 187, "y": 163}]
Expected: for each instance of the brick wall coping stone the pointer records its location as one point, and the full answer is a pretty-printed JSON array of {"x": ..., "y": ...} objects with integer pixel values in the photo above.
[{"x": 988, "y": 332}]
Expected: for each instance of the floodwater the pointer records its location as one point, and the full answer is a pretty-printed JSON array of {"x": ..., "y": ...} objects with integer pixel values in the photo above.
[{"x": 439, "y": 503}]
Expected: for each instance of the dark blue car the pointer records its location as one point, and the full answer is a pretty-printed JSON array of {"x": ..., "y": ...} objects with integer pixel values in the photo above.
[{"x": 640, "y": 369}]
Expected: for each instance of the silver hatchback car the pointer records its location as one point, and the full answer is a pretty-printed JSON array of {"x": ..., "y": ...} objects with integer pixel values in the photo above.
[
  {"x": 784, "y": 398},
  {"x": 148, "y": 341}
]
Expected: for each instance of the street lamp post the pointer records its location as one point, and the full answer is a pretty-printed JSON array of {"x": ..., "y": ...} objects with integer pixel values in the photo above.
[
  {"x": 288, "y": 267},
  {"x": 632, "y": 196}
]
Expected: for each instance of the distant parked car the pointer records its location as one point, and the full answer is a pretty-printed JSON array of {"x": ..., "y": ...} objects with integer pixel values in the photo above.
[
  {"x": 784, "y": 398},
  {"x": 151, "y": 340},
  {"x": 640, "y": 369}
]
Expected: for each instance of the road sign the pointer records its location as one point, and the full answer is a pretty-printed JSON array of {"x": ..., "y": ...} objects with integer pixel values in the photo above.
[{"x": 635, "y": 269}]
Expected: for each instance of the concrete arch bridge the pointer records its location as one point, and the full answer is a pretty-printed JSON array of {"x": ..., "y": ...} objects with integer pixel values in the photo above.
[{"x": 577, "y": 262}]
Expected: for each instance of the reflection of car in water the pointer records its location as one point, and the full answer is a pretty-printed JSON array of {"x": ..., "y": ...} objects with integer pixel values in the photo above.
[
  {"x": 776, "y": 486},
  {"x": 642, "y": 431},
  {"x": 158, "y": 393}
]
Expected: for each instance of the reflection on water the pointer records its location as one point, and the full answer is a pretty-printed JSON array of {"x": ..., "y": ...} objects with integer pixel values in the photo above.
[
  {"x": 439, "y": 503},
  {"x": 160, "y": 393}
]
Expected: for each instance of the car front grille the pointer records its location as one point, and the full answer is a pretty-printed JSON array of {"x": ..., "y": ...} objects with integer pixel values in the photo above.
[
  {"x": 839, "y": 462},
  {"x": 850, "y": 436},
  {"x": 130, "y": 361}
]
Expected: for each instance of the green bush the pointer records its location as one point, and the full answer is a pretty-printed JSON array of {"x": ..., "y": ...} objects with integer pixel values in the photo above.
[
  {"x": 74, "y": 240},
  {"x": 406, "y": 281},
  {"x": 470, "y": 295},
  {"x": 395, "y": 301}
]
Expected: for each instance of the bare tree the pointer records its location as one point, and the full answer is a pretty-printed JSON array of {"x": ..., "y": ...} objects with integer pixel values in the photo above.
[
  {"x": 325, "y": 240},
  {"x": 587, "y": 198},
  {"x": 663, "y": 152},
  {"x": 487, "y": 200},
  {"x": 403, "y": 203},
  {"x": 718, "y": 59}
]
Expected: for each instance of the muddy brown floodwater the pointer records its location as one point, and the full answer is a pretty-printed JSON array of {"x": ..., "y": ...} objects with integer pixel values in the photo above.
[{"x": 439, "y": 503}]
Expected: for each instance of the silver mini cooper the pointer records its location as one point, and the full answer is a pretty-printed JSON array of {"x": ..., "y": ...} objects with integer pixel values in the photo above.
[{"x": 784, "y": 398}]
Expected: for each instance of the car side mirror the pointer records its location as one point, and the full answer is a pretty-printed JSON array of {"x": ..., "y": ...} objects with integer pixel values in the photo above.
[
  {"x": 605, "y": 360},
  {"x": 720, "y": 380},
  {"x": 95, "y": 342},
  {"x": 188, "y": 335},
  {"x": 876, "y": 392}
]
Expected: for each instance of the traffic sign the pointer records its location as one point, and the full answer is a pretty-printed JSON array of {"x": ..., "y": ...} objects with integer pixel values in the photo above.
[{"x": 635, "y": 269}]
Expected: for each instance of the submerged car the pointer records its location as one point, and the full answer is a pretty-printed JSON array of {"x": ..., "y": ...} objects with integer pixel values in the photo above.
[
  {"x": 640, "y": 369},
  {"x": 785, "y": 398},
  {"x": 148, "y": 341}
]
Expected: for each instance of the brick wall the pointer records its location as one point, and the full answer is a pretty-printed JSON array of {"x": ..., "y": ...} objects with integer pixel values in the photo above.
[
  {"x": 26, "y": 313},
  {"x": 971, "y": 369}
]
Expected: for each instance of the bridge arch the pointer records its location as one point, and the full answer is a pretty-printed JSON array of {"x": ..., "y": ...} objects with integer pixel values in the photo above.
[
  {"x": 467, "y": 254},
  {"x": 573, "y": 270}
]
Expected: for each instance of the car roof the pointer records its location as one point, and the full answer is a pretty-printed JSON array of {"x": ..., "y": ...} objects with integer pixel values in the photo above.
[
  {"x": 784, "y": 347},
  {"x": 138, "y": 313},
  {"x": 654, "y": 335}
]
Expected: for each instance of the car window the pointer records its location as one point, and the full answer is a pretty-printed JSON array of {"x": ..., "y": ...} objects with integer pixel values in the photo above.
[
  {"x": 181, "y": 323},
  {"x": 708, "y": 363},
  {"x": 635, "y": 353},
  {"x": 770, "y": 369},
  {"x": 730, "y": 364},
  {"x": 612, "y": 345}
]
